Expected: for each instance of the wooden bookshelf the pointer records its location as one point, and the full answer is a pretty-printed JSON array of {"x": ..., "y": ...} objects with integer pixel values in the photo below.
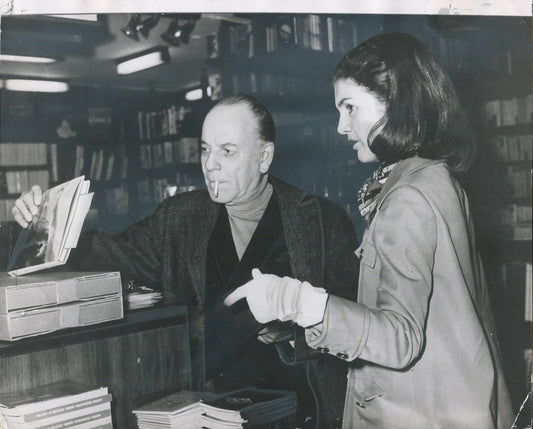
[{"x": 141, "y": 358}]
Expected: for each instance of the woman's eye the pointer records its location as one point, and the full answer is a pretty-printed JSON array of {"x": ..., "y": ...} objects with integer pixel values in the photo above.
[{"x": 349, "y": 108}]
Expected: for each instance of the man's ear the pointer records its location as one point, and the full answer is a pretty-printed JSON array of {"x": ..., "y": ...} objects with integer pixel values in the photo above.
[{"x": 267, "y": 155}]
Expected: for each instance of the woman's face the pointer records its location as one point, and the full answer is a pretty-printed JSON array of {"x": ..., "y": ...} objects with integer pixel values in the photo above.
[{"x": 359, "y": 110}]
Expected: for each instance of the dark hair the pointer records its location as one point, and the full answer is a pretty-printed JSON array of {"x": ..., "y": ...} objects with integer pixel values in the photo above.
[
  {"x": 423, "y": 115},
  {"x": 265, "y": 124}
]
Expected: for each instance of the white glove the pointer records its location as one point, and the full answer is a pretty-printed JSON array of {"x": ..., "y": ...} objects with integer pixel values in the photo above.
[{"x": 271, "y": 297}]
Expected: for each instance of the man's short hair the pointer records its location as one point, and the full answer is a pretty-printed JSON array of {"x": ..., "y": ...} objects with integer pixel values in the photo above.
[{"x": 265, "y": 124}]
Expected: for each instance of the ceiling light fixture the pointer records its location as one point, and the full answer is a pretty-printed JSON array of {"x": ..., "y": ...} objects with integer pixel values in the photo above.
[
  {"x": 177, "y": 34},
  {"x": 27, "y": 59},
  {"x": 197, "y": 94},
  {"x": 32, "y": 85},
  {"x": 130, "y": 29},
  {"x": 146, "y": 26},
  {"x": 143, "y": 60}
]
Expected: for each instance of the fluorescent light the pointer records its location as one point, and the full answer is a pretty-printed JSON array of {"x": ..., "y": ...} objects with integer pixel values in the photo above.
[
  {"x": 25, "y": 59},
  {"x": 79, "y": 16},
  {"x": 194, "y": 94},
  {"x": 35, "y": 85},
  {"x": 143, "y": 61},
  {"x": 197, "y": 94}
]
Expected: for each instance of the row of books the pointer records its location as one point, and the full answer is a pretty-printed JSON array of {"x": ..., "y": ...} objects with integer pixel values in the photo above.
[
  {"x": 243, "y": 408},
  {"x": 274, "y": 85},
  {"x": 62, "y": 405},
  {"x": 517, "y": 180},
  {"x": 235, "y": 40},
  {"x": 100, "y": 164},
  {"x": 184, "y": 150},
  {"x": 163, "y": 122},
  {"x": 23, "y": 154},
  {"x": 515, "y": 213},
  {"x": 509, "y": 112},
  {"x": 156, "y": 190},
  {"x": 17, "y": 181},
  {"x": 517, "y": 280},
  {"x": 513, "y": 147},
  {"x": 6, "y": 205}
]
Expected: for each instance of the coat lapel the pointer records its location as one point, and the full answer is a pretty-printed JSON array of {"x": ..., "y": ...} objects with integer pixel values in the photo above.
[
  {"x": 199, "y": 229},
  {"x": 304, "y": 232}
]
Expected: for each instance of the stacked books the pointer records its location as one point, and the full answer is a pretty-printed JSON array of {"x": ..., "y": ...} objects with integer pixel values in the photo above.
[
  {"x": 180, "y": 410},
  {"x": 248, "y": 408},
  {"x": 40, "y": 303},
  {"x": 62, "y": 405},
  {"x": 244, "y": 408}
]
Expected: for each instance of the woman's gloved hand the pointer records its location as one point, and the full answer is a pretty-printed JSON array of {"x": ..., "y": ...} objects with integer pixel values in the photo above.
[{"x": 271, "y": 297}]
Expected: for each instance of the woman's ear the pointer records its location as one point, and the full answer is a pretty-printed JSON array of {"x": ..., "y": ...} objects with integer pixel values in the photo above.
[{"x": 267, "y": 155}]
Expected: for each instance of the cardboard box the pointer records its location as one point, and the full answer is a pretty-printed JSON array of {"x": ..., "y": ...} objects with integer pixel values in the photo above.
[
  {"x": 37, "y": 321},
  {"x": 46, "y": 289}
]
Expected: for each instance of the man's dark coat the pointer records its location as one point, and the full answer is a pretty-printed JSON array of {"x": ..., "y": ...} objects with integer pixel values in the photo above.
[{"x": 168, "y": 250}]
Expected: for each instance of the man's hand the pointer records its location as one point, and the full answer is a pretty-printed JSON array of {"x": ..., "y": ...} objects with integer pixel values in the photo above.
[
  {"x": 27, "y": 206},
  {"x": 271, "y": 297}
]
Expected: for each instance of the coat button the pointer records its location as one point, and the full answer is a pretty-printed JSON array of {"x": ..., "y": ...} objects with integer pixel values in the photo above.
[
  {"x": 342, "y": 355},
  {"x": 322, "y": 349},
  {"x": 360, "y": 404}
]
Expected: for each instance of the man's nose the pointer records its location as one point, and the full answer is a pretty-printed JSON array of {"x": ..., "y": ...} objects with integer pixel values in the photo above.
[
  {"x": 343, "y": 127},
  {"x": 211, "y": 162}
]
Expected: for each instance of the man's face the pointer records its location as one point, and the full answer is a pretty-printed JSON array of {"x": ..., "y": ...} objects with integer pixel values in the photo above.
[{"x": 232, "y": 155}]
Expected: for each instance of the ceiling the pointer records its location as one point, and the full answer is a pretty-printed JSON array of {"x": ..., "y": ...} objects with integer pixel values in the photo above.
[{"x": 88, "y": 50}]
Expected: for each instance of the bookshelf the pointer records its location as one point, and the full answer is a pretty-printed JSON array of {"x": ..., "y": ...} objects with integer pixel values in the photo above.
[
  {"x": 151, "y": 346},
  {"x": 134, "y": 152}
]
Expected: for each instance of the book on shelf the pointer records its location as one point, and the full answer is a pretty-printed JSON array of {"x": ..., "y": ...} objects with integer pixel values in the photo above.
[
  {"x": 47, "y": 241},
  {"x": 60, "y": 405},
  {"x": 31, "y": 322},
  {"x": 46, "y": 289}
]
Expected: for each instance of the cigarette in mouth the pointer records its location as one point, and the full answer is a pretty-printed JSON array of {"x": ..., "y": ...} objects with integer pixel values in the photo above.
[{"x": 216, "y": 189}]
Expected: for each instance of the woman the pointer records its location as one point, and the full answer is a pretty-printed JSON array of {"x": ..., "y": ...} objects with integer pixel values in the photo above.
[{"x": 422, "y": 336}]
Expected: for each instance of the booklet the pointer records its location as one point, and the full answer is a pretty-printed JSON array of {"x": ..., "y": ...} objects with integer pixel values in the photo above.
[{"x": 47, "y": 241}]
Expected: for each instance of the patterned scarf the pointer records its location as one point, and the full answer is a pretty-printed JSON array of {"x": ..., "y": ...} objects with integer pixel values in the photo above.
[{"x": 367, "y": 195}]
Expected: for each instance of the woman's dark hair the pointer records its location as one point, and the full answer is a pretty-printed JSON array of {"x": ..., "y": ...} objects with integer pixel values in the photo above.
[
  {"x": 265, "y": 124},
  {"x": 423, "y": 115}
]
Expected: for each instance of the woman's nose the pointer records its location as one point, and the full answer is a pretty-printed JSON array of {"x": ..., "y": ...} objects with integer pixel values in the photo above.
[{"x": 343, "y": 127}]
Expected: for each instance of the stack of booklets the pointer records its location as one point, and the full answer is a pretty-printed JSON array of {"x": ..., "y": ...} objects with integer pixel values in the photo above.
[
  {"x": 61, "y": 405},
  {"x": 40, "y": 303},
  {"x": 244, "y": 408},
  {"x": 179, "y": 410},
  {"x": 248, "y": 408}
]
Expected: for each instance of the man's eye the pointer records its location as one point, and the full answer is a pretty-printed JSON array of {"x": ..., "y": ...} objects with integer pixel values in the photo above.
[
  {"x": 205, "y": 149},
  {"x": 228, "y": 152}
]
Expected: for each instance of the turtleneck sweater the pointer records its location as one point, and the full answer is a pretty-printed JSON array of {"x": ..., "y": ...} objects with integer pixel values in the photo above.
[{"x": 244, "y": 218}]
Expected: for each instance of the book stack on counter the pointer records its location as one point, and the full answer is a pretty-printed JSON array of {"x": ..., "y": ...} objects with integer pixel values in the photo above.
[
  {"x": 61, "y": 405},
  {"x": 248, "y": 408},
  {"x": 181, "y": 410},
  {"x": 244, "y": 408},
  {"x": 40, "y": 303}
]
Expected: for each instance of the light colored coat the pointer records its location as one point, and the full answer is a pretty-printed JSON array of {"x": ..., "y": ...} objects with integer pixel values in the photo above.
[{"x": 422, "y": 332}]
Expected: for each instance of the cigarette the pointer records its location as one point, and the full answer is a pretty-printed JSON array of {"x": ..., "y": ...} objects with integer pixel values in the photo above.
[{"x": 216, "y": 189}]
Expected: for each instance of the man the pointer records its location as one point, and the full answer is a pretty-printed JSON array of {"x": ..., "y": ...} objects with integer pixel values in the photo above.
[{"x": 201, "y": 245}]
